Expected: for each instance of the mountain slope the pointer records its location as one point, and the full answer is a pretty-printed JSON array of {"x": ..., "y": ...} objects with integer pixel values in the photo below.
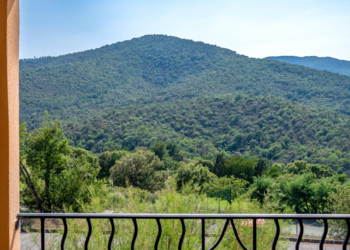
[
  {"x": 159, "y": 68},
  {"x": 319, "y": 63},
  {"x": 266, "y": 127}
]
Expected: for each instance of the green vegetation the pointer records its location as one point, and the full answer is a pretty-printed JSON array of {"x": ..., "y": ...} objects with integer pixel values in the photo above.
[
  {"x": 340, "y": 200},
  {"x": 141, "y": 168},
  {"x": 262, "y": 127},
  {"x": 167, "y": 179},
  {"x": 320, "y": 63},
  {"x": 305, "y": 187},
  {"x": 107, "y": 160},
  {"x": 156, "y": 68},
  {"x": 56, "y": 175},
  {"x": 51, "y": 169},
  {"x": 126, "y": 200},
  {"x": 194, "y": 174}
]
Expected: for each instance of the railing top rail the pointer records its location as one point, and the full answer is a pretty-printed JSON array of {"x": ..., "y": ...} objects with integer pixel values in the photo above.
[{"x": 181, "y": 216}]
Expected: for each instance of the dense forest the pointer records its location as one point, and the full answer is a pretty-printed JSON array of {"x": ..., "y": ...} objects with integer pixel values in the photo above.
[
  {"x": 319, "y": 63},
  {"x": 157, "y": 68},
  {"x": 266, "y": 127}
]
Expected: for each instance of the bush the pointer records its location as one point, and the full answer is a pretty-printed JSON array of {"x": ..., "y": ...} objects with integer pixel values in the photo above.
[
  {"x": 107, "y": 160},
  {"x": 141, "y": 169},
  {"x": 340, "y": 200},
  {"x": 194, "y": 174},
  {"x": 240, "y": 167}
]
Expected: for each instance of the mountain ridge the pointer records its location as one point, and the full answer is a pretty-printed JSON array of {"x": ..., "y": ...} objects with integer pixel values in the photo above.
[
  {"x": 320, "y": 63},
  {"x": 30, "y": 63}
]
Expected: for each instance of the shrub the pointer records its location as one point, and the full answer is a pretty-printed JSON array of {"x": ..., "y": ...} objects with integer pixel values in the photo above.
[{"x": 141, "y": 169}]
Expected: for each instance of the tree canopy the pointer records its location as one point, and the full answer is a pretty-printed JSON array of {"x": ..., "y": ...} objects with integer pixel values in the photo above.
[
  {"x": 261, "y": 127},
  {"x": 56, "y": 175}
]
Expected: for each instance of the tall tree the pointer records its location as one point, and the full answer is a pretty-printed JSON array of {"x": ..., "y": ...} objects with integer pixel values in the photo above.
[
  {"x": 47, "y": 155},
  {"x": 56, "y": 174},
  {"x": 219, "y": 164},
  {"x": 159, "y": 148}
]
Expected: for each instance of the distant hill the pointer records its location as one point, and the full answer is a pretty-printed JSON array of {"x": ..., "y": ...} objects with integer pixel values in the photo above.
[
  {"x": 320, "y": 63},
  {"x": 157, "y": 69},
  {"x": 267, "y": 127}
]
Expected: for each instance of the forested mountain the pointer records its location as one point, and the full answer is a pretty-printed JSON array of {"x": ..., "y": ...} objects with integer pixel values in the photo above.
[
  {"x": 267, "y": 127},
  {"x": 144, "y": 114},
  {"x": 158, "y": 68},
  {"x": 320, "y": 63}
]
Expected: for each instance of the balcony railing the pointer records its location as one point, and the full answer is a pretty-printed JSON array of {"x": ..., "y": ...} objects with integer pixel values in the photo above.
[{"x": 182, "y": 217}]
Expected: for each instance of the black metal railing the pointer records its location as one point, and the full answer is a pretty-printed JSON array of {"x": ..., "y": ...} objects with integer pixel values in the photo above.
[{"x": 202, "y": 217}]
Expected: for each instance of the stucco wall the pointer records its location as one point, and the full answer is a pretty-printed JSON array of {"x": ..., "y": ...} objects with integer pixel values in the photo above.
[{"x": 9, "y": 121}]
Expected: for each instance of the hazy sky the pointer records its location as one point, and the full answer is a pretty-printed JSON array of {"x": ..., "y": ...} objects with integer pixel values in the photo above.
[{"x": 256, "y": 28}]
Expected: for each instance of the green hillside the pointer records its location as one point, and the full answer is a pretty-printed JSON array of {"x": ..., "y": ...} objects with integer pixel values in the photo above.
[
  {"x": 320, "y": 63},
  {"x": 267, "y": 127},
  {"x": 157, "y": 68}
]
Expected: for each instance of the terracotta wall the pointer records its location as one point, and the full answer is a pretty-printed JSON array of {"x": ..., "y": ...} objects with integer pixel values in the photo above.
[{"x": 9, "y": 121}]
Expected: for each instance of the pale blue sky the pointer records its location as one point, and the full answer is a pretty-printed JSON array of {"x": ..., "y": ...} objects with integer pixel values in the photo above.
[{"x": 256, "y": 28}]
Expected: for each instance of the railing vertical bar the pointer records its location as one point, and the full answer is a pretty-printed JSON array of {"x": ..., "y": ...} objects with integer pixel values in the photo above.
[
  {"x": 183, "y": 233},
  {"x": 346, "y": 240},
  {"x": 86, "y": 247},
  {"x": 300, "y": 234},
  {"x": 324, "y": 233},
  {"x": 159, "y": 234},
  {"x": 135, "y": 234},
  {"x": 65, "y": 233},
  {"x": 275, "y": 240},
  {"x": 254, "y": 234},
  {"x": 110, "y": 241},
  {"x": 42, "y": 233},
  {"x": 237, "y": 237},
  {"x": 203, "y": 234},
  {"x": 221, "y": 236}
]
